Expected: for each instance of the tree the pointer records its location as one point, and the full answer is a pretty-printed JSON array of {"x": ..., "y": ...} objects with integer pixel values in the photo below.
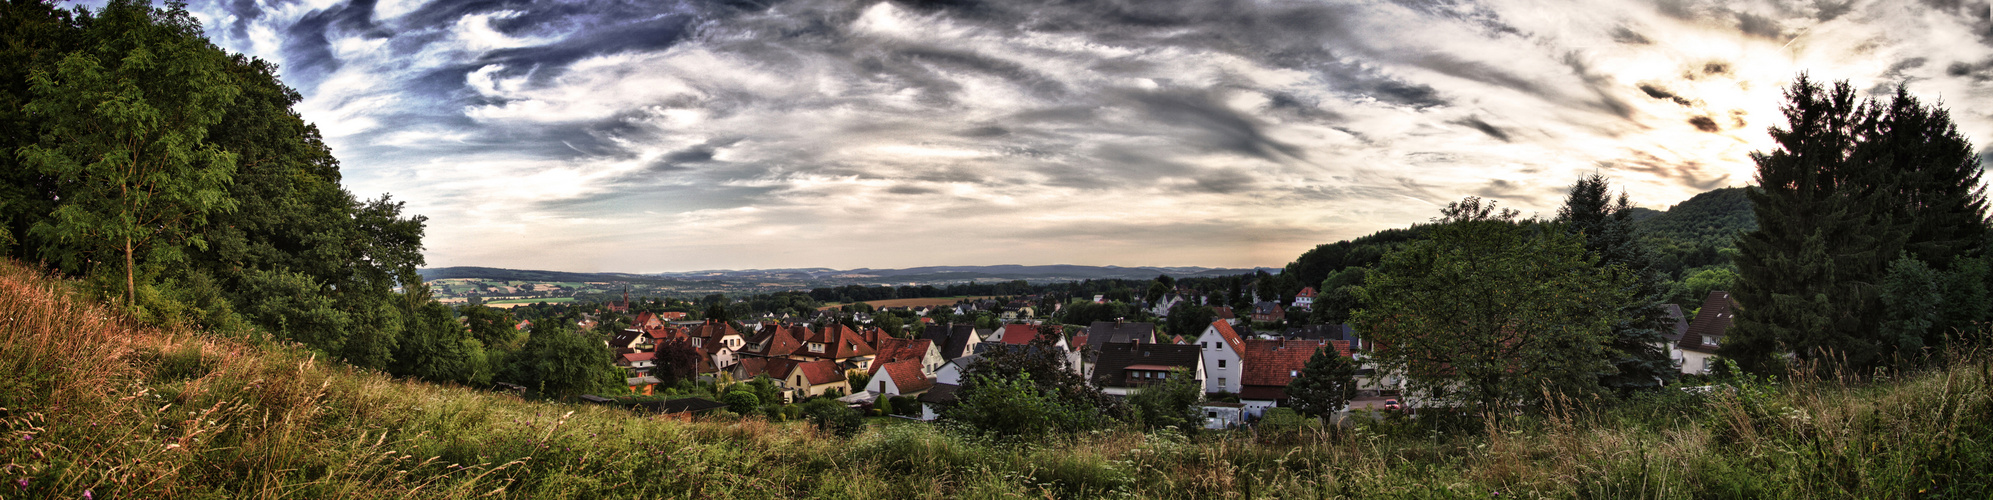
[
  {"x": 832, "y": 416},
  {"x": 1336, "y": 297},
  {"x": 1606, "y": 224},
  {"x": 1188, "y": 320},
  {"x": 491, "y": 326},
  {"x": 741, "y": 401},
  {"x": 1913, "y": 304},
  {"x": 676, "y": 360},
  {"x": 1848, "y": 189},
  {"x": 559, "y": 362},
  {"x": 1326, "y": 384},
  {"x": 1016, "y": 408},
  {"x": 1048, "y": 369},
  {"x": 1171, "y": 404},
  {"x": 1489, "y": 311},
  {"x": 126, "y": 124},
  {"x": 1697, "y": 286}
]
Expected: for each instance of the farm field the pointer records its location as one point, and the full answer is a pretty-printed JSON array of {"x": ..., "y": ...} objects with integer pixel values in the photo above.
[
  {"x": 511, "y": 303},
  {"x": 926, "y": 302}
]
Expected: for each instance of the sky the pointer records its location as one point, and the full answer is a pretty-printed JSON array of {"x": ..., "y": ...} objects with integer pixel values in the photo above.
[{"x": 649, "y": 136}]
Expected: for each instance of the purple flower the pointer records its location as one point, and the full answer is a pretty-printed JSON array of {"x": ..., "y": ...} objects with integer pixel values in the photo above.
[
  {"x": 21, "y": 483},
  {"x": 27, "y": 437},
  {"x": 87, "y": 495}
]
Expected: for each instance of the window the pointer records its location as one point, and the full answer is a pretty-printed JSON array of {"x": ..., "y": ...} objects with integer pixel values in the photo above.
[
  {"x": 882, "y": 386},
  {"x": 1212, "y": 414},
  {"x": 1221, "y": 381},
  {"x": 1221, "y": 363},
  {"x": 1293, "y": 373}
]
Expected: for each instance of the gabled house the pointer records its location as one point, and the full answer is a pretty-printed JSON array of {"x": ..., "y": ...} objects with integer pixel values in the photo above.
[
  {"x": 630, "y": 339},
  {"x": 1122, "y": 368},
  {"x": 776, "y": 341},
  {"x": 1102, "y": 333},
  {"x": 954, "y": 340},
  {"x": 805, "y": 379},
  {"x": 904, "y": 377},
  {"x": 1705, "y": 334},
  {"x": 718, "y": 340},
  {"x": 1223, "y": 350},
  {"x": 893, "y": 349},
  {"x": 836, "y": 343},
  {"x": 951, "y": 372},
  {"x": 637, "y": 367},
  {"x": 1271, "y": 364},
  {"x": 1305, "y": 300},
  {"x": 1225, "y": 314},
  {"x": 1268, "y": 311}
]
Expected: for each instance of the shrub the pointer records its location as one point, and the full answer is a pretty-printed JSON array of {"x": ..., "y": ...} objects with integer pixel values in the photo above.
[{"x": 832, "y": 416}]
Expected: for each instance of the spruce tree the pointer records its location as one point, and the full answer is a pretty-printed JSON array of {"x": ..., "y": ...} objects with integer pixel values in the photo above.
[
  {"x": 1848, "y": 190},
  {"x": 1606, "y": 224}
]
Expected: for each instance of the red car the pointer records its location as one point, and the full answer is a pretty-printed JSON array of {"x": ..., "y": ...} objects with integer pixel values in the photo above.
[{"x": 1392, "y": 404}]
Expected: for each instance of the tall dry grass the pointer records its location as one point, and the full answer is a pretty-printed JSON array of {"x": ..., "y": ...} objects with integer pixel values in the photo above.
[{"x": 94, "y": 403}]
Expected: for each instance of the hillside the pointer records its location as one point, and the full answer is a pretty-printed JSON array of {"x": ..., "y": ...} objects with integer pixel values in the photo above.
[
  {"x": 1695, "y": 232},
  {"x": 149, "y": 413}
]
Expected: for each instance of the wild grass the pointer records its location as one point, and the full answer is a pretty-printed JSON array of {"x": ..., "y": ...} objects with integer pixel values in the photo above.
[{"x": 93, "y": 403}]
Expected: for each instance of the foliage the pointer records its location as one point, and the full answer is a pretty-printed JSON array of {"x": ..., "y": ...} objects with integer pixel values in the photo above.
[
  {"x": 125, "y": 122},
  {"x": 1491, "y": 312},
  {"x": 832, "y": 416},
  {"x": 741, "y": 401},
  {"x": 1325, "y": 385},
  {"x": 270, "y": 421},
  {"x": 1016, "y": 407},
  {"x": 1697, "y": 233},
  {"x": 1606, "y": 224},
  {"x": 559, "y": 362},
  {"x": 676, "y": 360},
  {"x": 1172, "y": 404},
  {"x": 1849, "y": 188},
  {"x": 1047, "y": 368},
  {"x": 1188, "y": 320}
]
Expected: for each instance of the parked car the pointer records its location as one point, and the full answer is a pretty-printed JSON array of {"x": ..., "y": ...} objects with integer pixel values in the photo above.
[{"x": 1392, "y": 404}]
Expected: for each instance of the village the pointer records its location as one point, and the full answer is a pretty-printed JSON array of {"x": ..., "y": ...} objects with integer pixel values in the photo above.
[{"x": 1244, "y": 373}]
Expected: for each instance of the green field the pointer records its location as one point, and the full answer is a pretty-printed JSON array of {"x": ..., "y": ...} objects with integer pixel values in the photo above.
[{"x": 530, "y": 301}]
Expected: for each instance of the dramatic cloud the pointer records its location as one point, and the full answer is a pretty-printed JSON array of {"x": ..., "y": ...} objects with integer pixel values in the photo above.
[{"x": 649, "y": 136}]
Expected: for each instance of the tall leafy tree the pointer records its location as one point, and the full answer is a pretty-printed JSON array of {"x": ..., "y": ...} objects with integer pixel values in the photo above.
[
  {"x": 1325, "y": 385},
  {"x": 34, "y": 35},
  {"x": 126, "y": 126},
  {"x": 1606, "y": 224},
  {"x": 1171, "y": 404},
  {"x": 1491, "y": 312},
  {"x": 1848, "y": 189}
]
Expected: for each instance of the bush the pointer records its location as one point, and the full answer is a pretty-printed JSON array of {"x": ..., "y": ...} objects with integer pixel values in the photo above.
[
  {"x": 1014, "y": 408},
  {"x": 741, "y": 402},
  {"x": 831, "y": 415}
]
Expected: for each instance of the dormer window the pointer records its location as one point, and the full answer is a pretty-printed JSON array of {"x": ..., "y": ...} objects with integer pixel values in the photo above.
[
  {"x": 816, "y": 347},
  {"x": 1708, "y": 341}
]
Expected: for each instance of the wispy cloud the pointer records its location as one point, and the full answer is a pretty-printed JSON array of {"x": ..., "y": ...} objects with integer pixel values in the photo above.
[{"x": 644, "y": 136}]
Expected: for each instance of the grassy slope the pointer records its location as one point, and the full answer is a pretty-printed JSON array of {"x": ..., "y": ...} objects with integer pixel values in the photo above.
[{"x": 93, "y": 403}]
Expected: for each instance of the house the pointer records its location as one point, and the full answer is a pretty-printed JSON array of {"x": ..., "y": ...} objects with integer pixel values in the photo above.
[
  {"x": 1023, "y": 334},
  {"x": 903, "y": 377},
  {"x": 637, "y": 367},
  {"x": 897, "y": 349},
  {"x": 954, "y": 340},
  {"x": 1223, "y": 350},
  {"x": 1222, "y": 415},
  {"x": 775, "y": 341},
  {"x": 1705, "y": 334},
  {"x": 837, "y": 343},
  {"x": 806, "y": 379},
  {"x": 629, "y": 339},
  {"x": 1163, "y": 305},
  {"x": 1124, "y": 367},
  {"x": 1102, "y": 333},
  {"x": 1305, "y": 300},
  {"x": 938, "y": 397},
  {"x": 1675, "y": 324},
  {"x": 1271, "y": 364},
  {"x": 1267, "y": 311},
  {"x": 951, "y": 372},
  {"x": 718, "y": 340},
  {"x": 671, "y": 316},
  {"x": 523, "y": 325},
  {"x": 1225, "y": 314}
]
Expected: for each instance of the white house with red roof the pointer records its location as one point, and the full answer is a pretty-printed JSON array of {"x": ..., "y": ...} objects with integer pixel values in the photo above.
[
  {"x": 1271, "y": 364},
  {"x": 1305, "y": 300},
  {"x": 905, "y": 377},
  {"x": 1223, "y": 351}
]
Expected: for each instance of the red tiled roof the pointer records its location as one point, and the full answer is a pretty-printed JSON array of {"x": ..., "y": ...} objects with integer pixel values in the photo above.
[
  {"x": 909, "y": 376},
  {"x": 1079, "y": 340},
  {"x": 1274, "y": 362},
  {"x": 893, "y": 349},
  {"x": 1019, "y": 334},
  {"x": 713, "y": 329},
  {"x": 639, "y": 356},
  {"x": 840, "y": 343},
  {"x": 671, "y": 315},
  {"x": 1231, "y": 336},
  {"x": 818, "y": 372},
  {"x": 1306, "y": 292}
]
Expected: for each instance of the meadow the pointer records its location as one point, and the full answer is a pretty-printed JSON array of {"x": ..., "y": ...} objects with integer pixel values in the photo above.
[{"x": 96, "y": 406}]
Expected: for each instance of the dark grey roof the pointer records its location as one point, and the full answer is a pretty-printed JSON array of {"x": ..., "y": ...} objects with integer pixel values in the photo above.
[
  {"x": 1114, "y": 332},
  {"x": 1711, "y": 323},
  {"x": 1675, "y": 324},
  {"x": 952, "y": 339},
  {"x": 682, "y": 405},
  {"x": 940, "y": 394},
  {"x": 1116, "y": 358}
]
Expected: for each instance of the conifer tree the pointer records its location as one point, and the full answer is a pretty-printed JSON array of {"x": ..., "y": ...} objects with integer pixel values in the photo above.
[
  {"x": 1606, "y": 224},
  {"x": 1848, "y": 190}
]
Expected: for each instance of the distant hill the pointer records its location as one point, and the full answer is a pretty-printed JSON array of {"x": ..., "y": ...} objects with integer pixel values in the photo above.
[
  {"x": 931, "y": 273},
  {"x": 1697, "y": 231}
]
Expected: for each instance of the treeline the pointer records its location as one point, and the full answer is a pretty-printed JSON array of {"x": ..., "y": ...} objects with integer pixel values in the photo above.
[{"x": 175, "y": 180}]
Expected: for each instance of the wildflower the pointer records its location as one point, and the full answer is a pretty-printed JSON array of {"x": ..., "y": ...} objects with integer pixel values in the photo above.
[
  {"x": 27, "y": 437},
  {"x": 21, "y": 483},
  {"x": 87, "y": 495}
]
